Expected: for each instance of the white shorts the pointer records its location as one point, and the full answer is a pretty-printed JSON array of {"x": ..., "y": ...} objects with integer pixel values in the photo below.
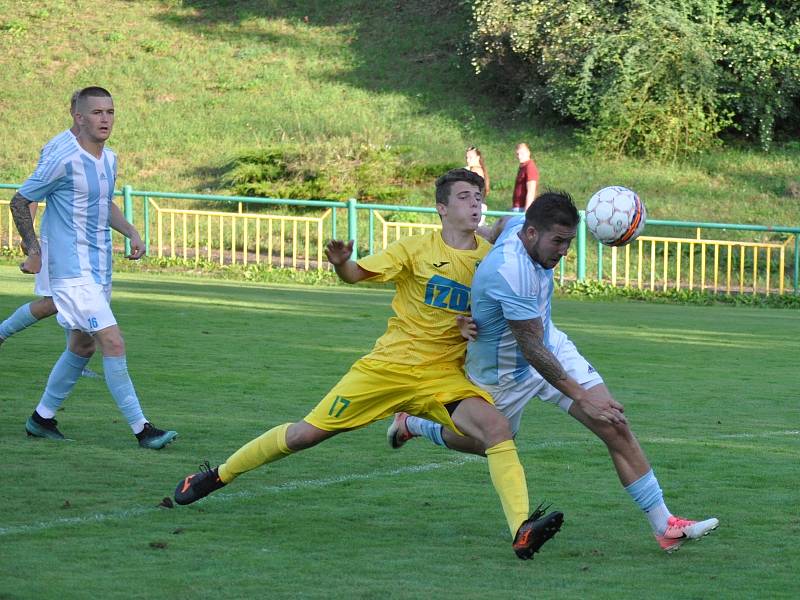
[
  {"x": 512, "y": 399},
  {"x": 84, "y": 307},
  {"x": 41, "y": 286}
]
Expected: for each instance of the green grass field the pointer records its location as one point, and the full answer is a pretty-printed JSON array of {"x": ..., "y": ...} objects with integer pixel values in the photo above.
[{"x": 710, "y": 391}]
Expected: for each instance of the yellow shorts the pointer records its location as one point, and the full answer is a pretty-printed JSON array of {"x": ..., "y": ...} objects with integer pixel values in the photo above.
[{"x": 373, "y": 389}]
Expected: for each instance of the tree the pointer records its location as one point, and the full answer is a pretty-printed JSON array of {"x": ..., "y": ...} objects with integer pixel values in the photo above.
[{"x": 651, "y": 77}]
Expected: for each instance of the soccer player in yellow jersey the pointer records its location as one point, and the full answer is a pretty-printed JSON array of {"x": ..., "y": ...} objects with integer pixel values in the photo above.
[{"x": 417, "y": 366}]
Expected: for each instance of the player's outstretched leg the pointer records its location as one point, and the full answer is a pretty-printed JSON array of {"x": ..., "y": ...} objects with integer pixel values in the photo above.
[
  {"x": 266, "y": 448},
  {"x": 679, "y": 530},
  {"x": 535, "y": 531},
  {"x": 198, "y": 485},
  {"x": 19, "y": 320}
]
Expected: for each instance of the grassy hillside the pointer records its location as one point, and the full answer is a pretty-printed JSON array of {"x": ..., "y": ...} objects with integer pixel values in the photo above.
[{"x": 364, "y": 91}]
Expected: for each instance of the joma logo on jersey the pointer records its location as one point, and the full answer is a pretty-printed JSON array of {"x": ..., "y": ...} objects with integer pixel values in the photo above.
[{"x": 446, "y": 293}]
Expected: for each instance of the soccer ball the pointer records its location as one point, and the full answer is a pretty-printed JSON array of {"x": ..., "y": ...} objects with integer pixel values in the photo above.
[{"x": 615, "y": 215}]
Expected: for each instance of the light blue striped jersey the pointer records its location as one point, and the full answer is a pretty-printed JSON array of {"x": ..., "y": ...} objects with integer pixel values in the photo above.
[
  {"x": 508, "y": 285},
  {"x": 79, "y": 190},
  {"x": 54, "y": 143}
]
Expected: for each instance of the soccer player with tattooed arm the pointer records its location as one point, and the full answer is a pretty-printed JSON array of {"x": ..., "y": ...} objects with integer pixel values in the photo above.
[
  {"x": 77, "y": 178},
  {"x": 517, "y": 353}
]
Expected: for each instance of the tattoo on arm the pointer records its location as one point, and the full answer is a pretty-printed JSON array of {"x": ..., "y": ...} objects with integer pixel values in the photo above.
[
  {"x": 24, "y": 222},
  {"x": 530, "y": 337}
]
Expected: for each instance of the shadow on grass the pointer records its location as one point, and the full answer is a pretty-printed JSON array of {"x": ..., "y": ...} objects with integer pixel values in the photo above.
[{"x": 410, "y": 47}]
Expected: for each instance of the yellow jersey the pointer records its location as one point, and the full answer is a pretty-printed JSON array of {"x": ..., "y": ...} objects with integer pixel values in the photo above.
[{"x": 432, "y": 286}]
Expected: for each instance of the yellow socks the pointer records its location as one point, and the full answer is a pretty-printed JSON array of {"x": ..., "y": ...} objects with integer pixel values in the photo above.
[
  {"x": 506, "y": 472},
  {"x": 508, "y": 479},
  {"x": 266, "y": 448}
]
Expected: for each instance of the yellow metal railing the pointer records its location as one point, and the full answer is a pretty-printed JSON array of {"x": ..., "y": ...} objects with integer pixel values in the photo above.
[
  {"x": 651, "y": 262},
  {"x": 239, "y": 238},
  {"x": 666, "y": 262},
  {"x": 394, "y": 230},
  {"x": 697, "y": 264},
  {"x": 8, "y": 232}
]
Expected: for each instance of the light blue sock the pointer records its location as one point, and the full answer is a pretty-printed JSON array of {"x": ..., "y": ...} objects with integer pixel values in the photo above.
[
  {"x": 425, "y": 428},
  {"x": 62, "y": 379},
  {"x": 646, "y": 492},
  {"x": 121, "y": 387},
  {"x": 18, "y": 321}
]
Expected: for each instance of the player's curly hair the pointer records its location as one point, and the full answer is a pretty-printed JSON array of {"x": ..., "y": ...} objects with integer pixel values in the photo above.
[
  {"x": 552, "y": 208},
  {"x": 446, "y": 181}
]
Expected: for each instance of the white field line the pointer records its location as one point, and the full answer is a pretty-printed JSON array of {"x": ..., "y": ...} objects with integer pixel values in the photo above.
[
  {"x": 300, "y": 484},
  {"x": 122, "y": 515}
]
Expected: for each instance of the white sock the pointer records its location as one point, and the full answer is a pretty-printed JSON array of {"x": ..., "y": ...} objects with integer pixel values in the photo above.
[
  {"x": 45, "y": 412},
  {"x": 658, "y": 516}
]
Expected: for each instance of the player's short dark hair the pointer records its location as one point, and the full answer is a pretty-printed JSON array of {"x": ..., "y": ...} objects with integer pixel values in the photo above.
[
  {"x": 73, "y": 100},
  {"x": 92, "y": 91},
  {"x": 552, "y": 208},
  {"x": 446, "y": 181}
]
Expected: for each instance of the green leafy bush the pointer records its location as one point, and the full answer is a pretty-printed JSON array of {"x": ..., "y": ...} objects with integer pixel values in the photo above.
[
  {"x": 646, "y": 77},
  {"x": 336, "y": 171}
]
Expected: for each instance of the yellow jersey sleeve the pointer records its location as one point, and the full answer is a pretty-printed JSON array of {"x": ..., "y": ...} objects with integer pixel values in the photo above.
[{"x": 390, "y": 264}]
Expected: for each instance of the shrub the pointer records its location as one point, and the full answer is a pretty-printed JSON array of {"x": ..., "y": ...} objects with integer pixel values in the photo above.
[
  {"x": 648, "y": 77},
  {"x": 336, "y": 171}
]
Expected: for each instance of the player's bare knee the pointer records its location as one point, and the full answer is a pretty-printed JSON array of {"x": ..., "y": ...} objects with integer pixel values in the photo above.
[
  {"x": 495, "y": 430},
  {"x": 614, "y": 435},
  {"x": 302, "y": 435},
  {"x": 43, "y": 308},
  {"x": 82, "y": 344},
  {"x": 113, "y": 348},
  {"x": 111, "y": 341}
]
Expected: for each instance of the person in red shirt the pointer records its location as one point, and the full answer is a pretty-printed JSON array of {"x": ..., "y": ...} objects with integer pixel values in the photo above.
[{"x": 527, "y": 178}]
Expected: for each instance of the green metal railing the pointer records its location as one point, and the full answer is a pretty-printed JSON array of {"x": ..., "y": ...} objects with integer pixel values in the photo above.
[{"x": 357, "y": 227}]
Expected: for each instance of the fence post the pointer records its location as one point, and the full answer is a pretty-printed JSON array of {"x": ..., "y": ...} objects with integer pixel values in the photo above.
[
  {"x": 796, "y": 262},
  {"x": 581, "y": 247},
  {"x": 352, "y": 225},
  {"x": 599, "y": 262},
  {"x": 128, "y": 212},
  {"x": 146, "y": 206},
  {"x": 371, "y": 231}
]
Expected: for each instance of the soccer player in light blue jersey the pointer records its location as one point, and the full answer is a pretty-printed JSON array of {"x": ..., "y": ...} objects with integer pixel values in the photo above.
[
  {"x": 77, "y": 179},
  {"x": 517, "y": 353},
  {"x": 31, "y": 313}
]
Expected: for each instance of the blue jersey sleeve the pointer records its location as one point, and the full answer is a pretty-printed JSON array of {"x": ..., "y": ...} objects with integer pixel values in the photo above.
[
  {"x": 44, "y": 180},
  {"x": 518, "y": 304}
]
